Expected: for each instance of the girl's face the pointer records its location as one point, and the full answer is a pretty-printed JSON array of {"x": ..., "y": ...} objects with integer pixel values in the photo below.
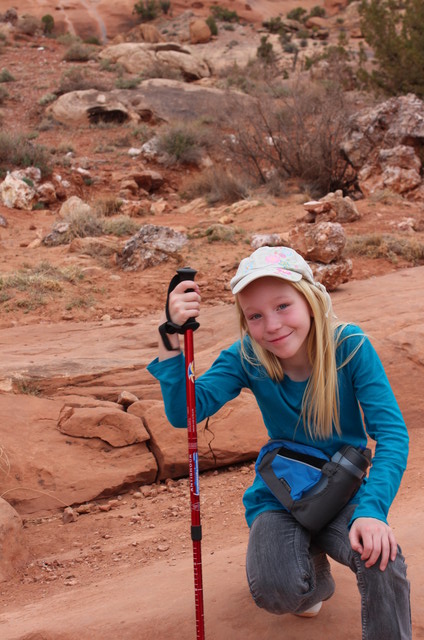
[{"x": 279, "y": 318}]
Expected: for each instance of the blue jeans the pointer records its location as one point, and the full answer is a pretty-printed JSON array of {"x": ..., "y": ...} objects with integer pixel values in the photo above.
[{"x": 288, "y": 572}]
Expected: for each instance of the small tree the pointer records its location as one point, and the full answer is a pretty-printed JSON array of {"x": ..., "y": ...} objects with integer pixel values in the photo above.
[
  {"x": 395, "y": 31},
  {"x": 48, "y": 23}
]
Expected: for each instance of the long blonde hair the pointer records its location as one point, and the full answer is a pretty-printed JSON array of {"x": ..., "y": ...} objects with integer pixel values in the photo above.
[{"x": 320, "y": 405}]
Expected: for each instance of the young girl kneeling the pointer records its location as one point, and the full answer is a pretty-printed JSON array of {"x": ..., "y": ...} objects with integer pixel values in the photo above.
[{"x": 320, "y": 383}]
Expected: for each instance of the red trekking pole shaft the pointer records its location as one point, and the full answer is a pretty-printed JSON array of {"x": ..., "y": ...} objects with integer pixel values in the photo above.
[
  {"x": 193, "y": 461},
  {"x": 186, "y": 273}
]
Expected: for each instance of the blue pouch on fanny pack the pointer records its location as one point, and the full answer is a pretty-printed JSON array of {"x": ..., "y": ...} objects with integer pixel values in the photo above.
[{"x": 309, "y": 484}]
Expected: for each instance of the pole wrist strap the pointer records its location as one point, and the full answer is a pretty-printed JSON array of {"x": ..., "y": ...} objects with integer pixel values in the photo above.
[{"x": 169, "y": 327}]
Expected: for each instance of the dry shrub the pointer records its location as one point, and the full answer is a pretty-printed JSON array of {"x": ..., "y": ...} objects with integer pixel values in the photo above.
[
  {"x": 295, "y": 133},
  {"x": 183, "y": 142},
  {"x": 79, "y": 79},
  {"x": 216, "y": 185}
]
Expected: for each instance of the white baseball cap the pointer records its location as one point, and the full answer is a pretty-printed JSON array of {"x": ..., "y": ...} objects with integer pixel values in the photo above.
[{"x": 280, "y": 262}]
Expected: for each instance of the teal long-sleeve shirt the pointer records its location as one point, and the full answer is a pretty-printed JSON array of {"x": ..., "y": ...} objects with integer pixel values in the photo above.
[{"x": 367, "y": 408}]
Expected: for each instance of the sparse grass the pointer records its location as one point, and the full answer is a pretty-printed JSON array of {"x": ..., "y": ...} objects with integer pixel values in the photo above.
[
  {"x": 79, "y": 79},
  {"x": 221, "y": 233},
  {"x": 3, "y": 95},
  {"x": 131, "y": 82},
  {"x": 27, "y": 387},
  {"x": 120, "y": 226},
  {"x": 6, "y": 76},
  {"x": 93, "y": 225},
  {"x": 18, "y": 151},
  {"x": 386, "y": 246},
  {"x": 47, "y": 99},
  {"x": 32, "y": 286},
  {"x": 106, "y": 207},
  {"x": 80, "y": 302}
]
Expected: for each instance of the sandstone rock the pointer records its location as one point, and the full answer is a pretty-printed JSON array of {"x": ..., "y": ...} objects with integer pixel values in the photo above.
[
  {"x": 46, "y": 193},
  {"x": 150, "y": 246},
  {"x": 381, "y": 144},
  {"x": 345, "y": 208},
  {"x": 325, "y": 242},
  {"x": 199, "y": 31},
  {"x": 17, "y": 194},
  {"x": 13, "y": 550},
  {"x": 333, "y": 7},
  {"x": 263, "y": 240},
  {"x": 218, "y": 440},
  {"x": 74, "y": 206},
  {"x": 126, "y": 399},
  {"x": 114, "y": 426},
  {"x": 135, "y": 57},
  {"x": 334, "y": 274},
  {"x": 148, "y": 179}
]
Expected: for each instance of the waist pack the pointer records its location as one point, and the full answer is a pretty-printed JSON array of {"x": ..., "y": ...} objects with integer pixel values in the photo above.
[{"x": 310, "y": 485}]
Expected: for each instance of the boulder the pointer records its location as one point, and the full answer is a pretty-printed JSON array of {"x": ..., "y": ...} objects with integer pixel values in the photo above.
[
  {"x": 155, "y": 100},
  {"x": 150, "y": 246},
  {"x": 325, "y": 242},
  {"x": 136, "y": 57},
  {"x": 334, "y": 274},
  {"x": 382, "y": 143},
  {"x": 16, "y": 193},
  {"x": 199, "y": 31},
  {"x": 111, "y": 424},
  {"x": 14, "y": 553}
]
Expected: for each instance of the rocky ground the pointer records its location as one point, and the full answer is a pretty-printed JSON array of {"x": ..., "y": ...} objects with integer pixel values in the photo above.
[{"x": 123, "y": 569}]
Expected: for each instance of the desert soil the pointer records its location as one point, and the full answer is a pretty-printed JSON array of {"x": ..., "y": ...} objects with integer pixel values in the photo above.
[{"x": 124, "y": 570}]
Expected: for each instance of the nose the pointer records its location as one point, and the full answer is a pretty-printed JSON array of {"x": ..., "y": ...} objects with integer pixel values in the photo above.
[{"x": 272, "y": 323}]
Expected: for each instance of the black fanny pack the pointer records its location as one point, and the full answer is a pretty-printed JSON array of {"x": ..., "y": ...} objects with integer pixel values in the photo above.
[{"x": 309, "y": 484}]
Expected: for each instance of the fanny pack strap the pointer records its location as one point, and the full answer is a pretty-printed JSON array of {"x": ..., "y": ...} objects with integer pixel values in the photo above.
[{"x": 279, "y": 486}]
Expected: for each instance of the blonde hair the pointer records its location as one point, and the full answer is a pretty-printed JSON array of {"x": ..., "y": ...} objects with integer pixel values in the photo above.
[{"x": 320, "y": 405}]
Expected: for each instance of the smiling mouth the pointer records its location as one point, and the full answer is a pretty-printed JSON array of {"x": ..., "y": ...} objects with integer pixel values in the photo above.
[{"x": 281, "y": 338}]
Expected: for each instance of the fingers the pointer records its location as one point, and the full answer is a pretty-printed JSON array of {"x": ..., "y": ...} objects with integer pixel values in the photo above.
[
  {"x": 184, "y": 302},
  {"x": 373, "y": 539}
]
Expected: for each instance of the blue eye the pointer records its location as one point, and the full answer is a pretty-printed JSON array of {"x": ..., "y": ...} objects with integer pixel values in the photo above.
[
  {"x": 283, "y": 306},
  {"x": 255, "y": 316}
]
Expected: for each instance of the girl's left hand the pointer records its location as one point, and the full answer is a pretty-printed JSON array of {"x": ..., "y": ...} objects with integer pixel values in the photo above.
[{"x": 373, "y": 538}]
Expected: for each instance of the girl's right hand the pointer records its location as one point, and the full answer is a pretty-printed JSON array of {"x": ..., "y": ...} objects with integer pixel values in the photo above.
[{"x": 184, "y": 302}]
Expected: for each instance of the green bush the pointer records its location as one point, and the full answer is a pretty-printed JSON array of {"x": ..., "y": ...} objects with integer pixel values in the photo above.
[
  {"x": 395, "y": 31},
  {"x": 265, "y": 51},
  {"x": 274, "y": 25},
  {"x": 297, "y": 14},
  {"x": 224, "y": 14},
  {"x": 165, "y": 6},
  {"x": 210, "y": 21},
  {"x": 317, "y": 12},
  {"x": 147, "y": 10}
]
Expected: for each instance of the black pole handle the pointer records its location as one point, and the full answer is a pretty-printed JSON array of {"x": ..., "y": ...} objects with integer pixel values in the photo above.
[{"x": 169, "y": 327}]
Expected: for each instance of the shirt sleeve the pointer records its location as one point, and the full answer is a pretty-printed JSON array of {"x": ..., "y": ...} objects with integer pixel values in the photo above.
[
  {"x": 219, "y": 384},
  {"x": 384, "y": 424}
]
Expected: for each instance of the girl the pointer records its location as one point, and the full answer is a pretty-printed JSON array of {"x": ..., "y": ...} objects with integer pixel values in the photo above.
[{"x": 320, "y": 383}]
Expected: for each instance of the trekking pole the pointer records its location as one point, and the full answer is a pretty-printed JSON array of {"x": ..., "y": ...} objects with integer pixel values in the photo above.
[{"x": 186, "y": 273}]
